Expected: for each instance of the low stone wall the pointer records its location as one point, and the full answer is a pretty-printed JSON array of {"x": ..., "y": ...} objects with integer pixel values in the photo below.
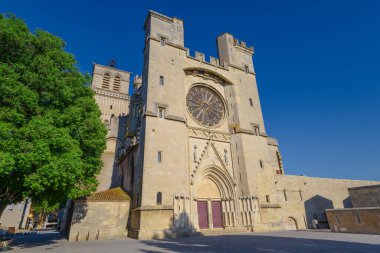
[
  {"x": 355, "y": 220},
  {"x": 154, "y": 223},
  {"x": 98, "y": 220},
  {"x": 305, "y": 198}
]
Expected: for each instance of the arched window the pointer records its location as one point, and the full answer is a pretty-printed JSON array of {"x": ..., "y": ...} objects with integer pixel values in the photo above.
[
  {"x": 116, "y": 83},
  {"x": 106, "y": 81},
  {"x": 159, "y": 198}
]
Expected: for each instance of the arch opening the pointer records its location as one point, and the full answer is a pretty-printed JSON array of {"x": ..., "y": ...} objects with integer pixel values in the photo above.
[{"x": 291, "y": 224}]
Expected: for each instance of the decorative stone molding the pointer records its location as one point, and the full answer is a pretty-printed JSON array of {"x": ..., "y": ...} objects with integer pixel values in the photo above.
[
  {"x": 110, "y": 93},
  {"x": 207, "y": 75},
  {"x": 209, "y": 134}
]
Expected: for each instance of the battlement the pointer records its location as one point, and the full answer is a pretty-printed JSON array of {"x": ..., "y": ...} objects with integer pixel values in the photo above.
[
  {"x": 243, "y": 45},
  {"x": 170, "y": 31},
  {"x": 234, "y": 52},
  {"x": 201, "y": 57}
]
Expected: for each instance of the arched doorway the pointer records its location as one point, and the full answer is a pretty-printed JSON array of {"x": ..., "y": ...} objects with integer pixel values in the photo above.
[
  {"x": 214, "y": 195},
  {"x": 290, "y": 224},
  {"x": 209, "y": 205}
]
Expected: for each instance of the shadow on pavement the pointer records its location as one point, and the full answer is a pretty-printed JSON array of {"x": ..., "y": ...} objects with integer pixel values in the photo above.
[
  {"x": 34, "y": 240},
  {"x": 257, "y": 243}
]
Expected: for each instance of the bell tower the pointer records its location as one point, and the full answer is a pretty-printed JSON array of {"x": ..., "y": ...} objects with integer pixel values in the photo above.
[{"x": 111, "y": 87}]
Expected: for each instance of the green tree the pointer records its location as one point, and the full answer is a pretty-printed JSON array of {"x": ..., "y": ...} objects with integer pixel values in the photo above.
[{"x": 51, "y": 135}]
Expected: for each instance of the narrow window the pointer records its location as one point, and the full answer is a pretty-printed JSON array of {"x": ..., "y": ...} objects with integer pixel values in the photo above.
[
  {"x": 300, "y": 195},
  {"x": 116, "y": 83},
  {"x": 267, "y": 198},
  {"x": 106, "y": 81},
  {"x": 337, "y": 219},
  {"x": 285, "y": 197},
  {"x": 161, "y": 112},
  {"x": 161, "y": 80},
  {"x": 261, "y": 164},
  {"x": 246, "y": 69},
  {"x": 159, "y": 198},
  {"x": 159, "y": 156},
  {"x": 240, "y": 176},
  {"x": 163, "y": 41},
  {"x": 358, "y": 219},
  {"x": 238, "y": 160},
  {"x": 250, "y": 102},
  {"x": 110, "y": 106}
]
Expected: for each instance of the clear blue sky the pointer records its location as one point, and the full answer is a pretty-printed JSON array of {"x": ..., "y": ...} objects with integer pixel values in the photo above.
[{"x": 317, "y": 65}]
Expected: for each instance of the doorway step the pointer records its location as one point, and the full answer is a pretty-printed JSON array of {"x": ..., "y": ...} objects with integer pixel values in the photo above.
[{"x": 223, "y": 231}]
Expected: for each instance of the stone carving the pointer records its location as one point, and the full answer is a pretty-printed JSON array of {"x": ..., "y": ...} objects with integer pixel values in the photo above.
[
  {"x": 208, "y": 134},
  {"x": 225, "y": 157}
]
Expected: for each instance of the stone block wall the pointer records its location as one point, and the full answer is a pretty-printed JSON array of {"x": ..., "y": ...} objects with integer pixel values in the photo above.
[
  {"x": 355, "y": 220},
  {"x": 15, "y": 215},
  {"x": 305, "y": 198},
  {"x": 99, "y": 220},
  {"x": 152, "y": 223}
]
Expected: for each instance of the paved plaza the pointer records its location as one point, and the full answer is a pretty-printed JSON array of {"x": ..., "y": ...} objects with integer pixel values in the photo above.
[{"x": 276, "y": 242}]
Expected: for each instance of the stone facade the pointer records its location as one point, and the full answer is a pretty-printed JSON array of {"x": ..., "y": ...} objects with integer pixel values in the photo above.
[
  {"x": 306, "y": 198},
  {"x": 191, "y": 148},
  {"x": 111, "y": 87},
  {"x": 198, "y": 157},
  {"x": 99, "y": 219},
  {"x": 365, "y": 220},
  {"x": 364, "y": 217}
]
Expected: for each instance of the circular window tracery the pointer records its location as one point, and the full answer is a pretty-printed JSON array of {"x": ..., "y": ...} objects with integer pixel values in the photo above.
[{"x": 205, "y": 105}]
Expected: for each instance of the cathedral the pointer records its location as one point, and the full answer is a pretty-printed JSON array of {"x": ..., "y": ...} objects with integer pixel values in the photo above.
[{"x": 189, "y": 153}]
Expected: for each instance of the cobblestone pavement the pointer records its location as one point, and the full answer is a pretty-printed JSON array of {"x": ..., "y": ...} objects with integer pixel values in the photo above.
[{"x": 275, "y": 242}]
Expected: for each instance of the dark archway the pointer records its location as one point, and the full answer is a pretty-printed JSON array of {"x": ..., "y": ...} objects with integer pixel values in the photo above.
[{"x": 315, "y": 209}]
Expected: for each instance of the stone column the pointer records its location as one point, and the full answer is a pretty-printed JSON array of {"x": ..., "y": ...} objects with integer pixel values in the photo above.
[{"x": 209, "y": 207}]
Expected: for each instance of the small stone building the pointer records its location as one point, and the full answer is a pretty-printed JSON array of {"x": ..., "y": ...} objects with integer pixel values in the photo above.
[
  {"x": 101, "y": 215},
  {"x": 363, "y": 218}
]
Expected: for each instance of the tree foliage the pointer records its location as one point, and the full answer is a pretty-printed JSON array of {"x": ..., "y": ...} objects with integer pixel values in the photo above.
[{"x": 51, "y": 135}]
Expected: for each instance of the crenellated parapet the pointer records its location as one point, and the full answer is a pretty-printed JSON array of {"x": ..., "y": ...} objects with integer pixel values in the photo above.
[
  {"x": 242, "y": 45},
  {"x": 235, "y": 53}
]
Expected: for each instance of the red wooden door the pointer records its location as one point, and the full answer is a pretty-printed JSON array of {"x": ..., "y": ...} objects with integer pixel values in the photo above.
[
  {"x": 202, "y": 214},
  {"x": 217, "y": 219}
]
